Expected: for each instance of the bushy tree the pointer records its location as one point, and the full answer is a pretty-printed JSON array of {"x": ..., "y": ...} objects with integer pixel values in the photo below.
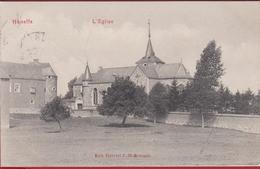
[
  {"x": 186, "y": 98},
  {"x": 256, "y": 104},
  {"x": 247, "y": 100},
  {"x": 158, "y": 98},
  {"x": 174, "y": 96},
  {"x": 124, "y": 98},
  {"x": 55, "y": 110},
  {"x": 209, "y": 69},
  {"x": 225, "y": 99},
  {"x": 237, "y": 102},
  {"x": 69, "y": 94}
]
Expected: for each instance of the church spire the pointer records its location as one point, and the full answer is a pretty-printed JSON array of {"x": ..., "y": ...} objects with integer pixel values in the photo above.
[
  {"x": 87, "y": 74},
  {"x": 149, "y": 50},
  {"x": 149, "y": 57}
]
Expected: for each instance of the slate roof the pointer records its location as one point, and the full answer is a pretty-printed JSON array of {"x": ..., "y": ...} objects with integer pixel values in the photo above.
[
  {"x": 108, "y": 74},
  {"x": 149, "y": 55},
  {"x": 87, "y": 74},
  {"x": 159, "y": 71},
  {"x": 25, "y": 71},
  {"x": 165, "y": 71}
]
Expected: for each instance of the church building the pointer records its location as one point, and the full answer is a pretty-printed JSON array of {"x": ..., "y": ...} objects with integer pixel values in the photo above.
[{"x": 149, "y": 70}]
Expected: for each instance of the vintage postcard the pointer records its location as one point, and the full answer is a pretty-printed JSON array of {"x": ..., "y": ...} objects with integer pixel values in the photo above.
[{"x": 130, "y": 83}]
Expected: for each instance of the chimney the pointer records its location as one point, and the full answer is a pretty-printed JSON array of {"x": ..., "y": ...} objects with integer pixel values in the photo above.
[{"x": 36, "y": 60}]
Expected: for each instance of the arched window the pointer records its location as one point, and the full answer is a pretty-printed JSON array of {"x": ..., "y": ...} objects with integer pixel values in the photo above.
[{"x": 95, "y": 96}]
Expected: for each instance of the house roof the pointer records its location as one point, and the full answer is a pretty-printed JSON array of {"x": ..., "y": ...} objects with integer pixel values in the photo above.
[{"x": 33, "y": 70}]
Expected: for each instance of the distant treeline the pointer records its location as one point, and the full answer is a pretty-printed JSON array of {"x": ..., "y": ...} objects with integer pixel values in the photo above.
[{"x": 224, "y": 101}]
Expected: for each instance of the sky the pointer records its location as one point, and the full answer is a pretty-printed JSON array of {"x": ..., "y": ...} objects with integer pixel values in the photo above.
[{"x": 179, "y": 32}]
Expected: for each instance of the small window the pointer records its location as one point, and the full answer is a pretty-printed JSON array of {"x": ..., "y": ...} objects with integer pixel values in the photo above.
[
  {"x": 49, "y": 77},
  {"x": 54, "y": 89},
  {"x": 10, "y": 87},
  {"x": 17, "y": 88},
  {"x": 144, "y": 64},
  {"x": 80, "y": 106},
  {"x": 32, "y": 101},
  {"x": 95, "y": 96},
  {"x": 81, "y": 89},
  {"x": 33, "y": 90}
]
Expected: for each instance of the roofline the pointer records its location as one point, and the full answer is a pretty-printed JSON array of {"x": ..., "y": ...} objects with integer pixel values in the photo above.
[
  {"x": 190, "y": 78},
  {"x": 100, "y": 82},
  {"x": 115, "y": 68},
  {"x": 30, "y": 63},
  {"x": 27, "y": 78},
  {"x": 80, "y": 84}
]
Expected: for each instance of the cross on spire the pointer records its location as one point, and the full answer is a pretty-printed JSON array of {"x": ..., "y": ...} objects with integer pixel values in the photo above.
[{"x": 149, "y": 29}]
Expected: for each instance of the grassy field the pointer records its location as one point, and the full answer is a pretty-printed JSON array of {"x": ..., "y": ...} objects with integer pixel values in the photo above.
[{"x": 97, "y": 141}]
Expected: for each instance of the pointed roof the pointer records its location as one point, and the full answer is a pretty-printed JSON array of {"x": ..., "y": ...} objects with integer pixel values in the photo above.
[
  {"x": 87, "y": 74},
  {"x": 149, "y": 54},
  {"x": 149, "y": 49}
]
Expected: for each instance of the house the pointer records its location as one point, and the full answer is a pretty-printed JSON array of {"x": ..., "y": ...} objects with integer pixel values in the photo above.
[{"x": 25, "y": 88}]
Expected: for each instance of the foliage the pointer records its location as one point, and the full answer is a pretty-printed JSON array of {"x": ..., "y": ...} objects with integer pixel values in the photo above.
[
  {"x": 244, "y": 102},
  {"x": 174, "y": 96},
  {"x": 124, "y": 98},
  {"x": 69, "y": 94},
  {"x": 225, "y": 99},
  {"x": 158, "y": 98},
  {"x": 256, "y": 104},
  {"x": 55, "y": 111},
  {"x": 208, "y": 71}
]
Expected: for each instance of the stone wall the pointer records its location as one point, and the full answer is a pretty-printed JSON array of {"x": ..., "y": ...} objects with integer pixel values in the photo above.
[
  {"x": 88, "y": 93},
  {"x": 85, "y": 113},
  {"x": 25, "y": 110},
  {"x": 4, "y": 102},
  {"x": 51, "y": 88},
  {"x": 26, "y": 99},
  {"x": 246, "y": 123},
  {"x": 140, "y": 79}
]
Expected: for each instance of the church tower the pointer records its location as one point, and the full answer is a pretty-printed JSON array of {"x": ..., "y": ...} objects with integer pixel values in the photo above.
[
  {"x": 87, "y": 76},
  {"x": 150, "y": 57},
  {"x": 85, "y": 87}
]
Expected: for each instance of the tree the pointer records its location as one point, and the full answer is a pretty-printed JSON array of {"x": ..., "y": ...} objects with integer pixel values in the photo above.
[
  {"x": 55, "y": 110},
  {"x": 247, "y": 100},
  {"x": 224, "y": 99},
  {"x": 237, "y": 103},
  {"x": 174, "y": 96},
  {"x": 124, "y": 98},
  {"x": 256, "y": 104},
  {"x": 209, "y": 69},
  {"x": 186, "y": 98},
  {"x": 69, "y": 94},
  {"x": 158, "y": 98}
]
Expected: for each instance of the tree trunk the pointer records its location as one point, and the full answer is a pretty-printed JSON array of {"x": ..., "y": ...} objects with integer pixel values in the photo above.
[
  {"x": 124, "y": 119},
  {"x": 202, "y": 119},
  {"x": 154, "y": 120},
  {"x": 58, "y": 123}
]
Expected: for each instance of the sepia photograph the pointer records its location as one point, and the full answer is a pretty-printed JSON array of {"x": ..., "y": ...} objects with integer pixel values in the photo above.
[{"x": 130, "y": 83}]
